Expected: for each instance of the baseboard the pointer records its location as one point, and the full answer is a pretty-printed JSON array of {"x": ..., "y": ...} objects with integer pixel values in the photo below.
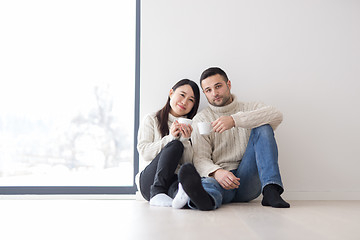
[
  {"x": 288, "y": 195},
  {"x": 317, "y": 195}
]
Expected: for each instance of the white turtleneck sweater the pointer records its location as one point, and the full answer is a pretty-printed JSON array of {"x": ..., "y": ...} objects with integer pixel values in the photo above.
[
  {"x": 225, "y": 150},
  {"x": 150, "y": 141}
]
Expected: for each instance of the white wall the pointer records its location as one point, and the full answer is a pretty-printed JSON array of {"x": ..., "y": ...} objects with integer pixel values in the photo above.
[{"x": 301, "y": 56}]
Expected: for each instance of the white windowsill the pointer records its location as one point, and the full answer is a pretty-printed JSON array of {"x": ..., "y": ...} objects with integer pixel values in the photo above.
[{"x": 70, "y": 197}]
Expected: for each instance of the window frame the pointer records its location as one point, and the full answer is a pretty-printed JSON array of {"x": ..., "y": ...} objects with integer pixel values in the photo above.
[{"x": 76, "y": 190}]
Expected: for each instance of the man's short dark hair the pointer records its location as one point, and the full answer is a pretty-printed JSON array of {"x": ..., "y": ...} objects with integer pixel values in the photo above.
[{"x": 213, "y": 71}]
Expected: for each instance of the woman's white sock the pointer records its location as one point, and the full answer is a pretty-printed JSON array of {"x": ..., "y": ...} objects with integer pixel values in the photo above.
[
  {"x": 180, "y": 199},
  {"x": 161, "y": 200}
]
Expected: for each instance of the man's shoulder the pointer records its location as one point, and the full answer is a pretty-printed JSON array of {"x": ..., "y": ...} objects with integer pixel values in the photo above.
[{"x": 248, "y": 106}]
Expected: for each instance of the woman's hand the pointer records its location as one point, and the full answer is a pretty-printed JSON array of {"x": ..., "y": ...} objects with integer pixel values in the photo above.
[
  {"x": 185, "y": 130},
  {"x": 175, "y": 129}
]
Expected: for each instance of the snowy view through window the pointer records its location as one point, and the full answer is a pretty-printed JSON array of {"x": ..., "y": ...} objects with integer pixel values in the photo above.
[{"x": 67, "y": 93}]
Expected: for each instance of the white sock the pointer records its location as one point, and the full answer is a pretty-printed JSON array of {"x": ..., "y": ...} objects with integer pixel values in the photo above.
[
  {"x": 180, "y": 199},
  {"x": 161, "y": 200}
]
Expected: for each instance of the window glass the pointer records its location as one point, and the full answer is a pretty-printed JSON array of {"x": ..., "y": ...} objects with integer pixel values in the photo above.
[{"x": 67, "y": 93}]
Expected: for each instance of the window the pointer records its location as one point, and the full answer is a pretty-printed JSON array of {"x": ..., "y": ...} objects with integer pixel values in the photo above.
[{"x": 68, "y": 99}]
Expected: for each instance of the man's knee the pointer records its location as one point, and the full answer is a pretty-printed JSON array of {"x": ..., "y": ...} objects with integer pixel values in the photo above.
[{"x": 264, "y": 130}]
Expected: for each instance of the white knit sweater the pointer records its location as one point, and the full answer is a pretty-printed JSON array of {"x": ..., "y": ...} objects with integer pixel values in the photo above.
[
  {"x": 225, "y": 150},
  {"x": 150, "y": 142}
]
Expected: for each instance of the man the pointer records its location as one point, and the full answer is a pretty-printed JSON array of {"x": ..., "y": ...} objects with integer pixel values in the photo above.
[{"x": 238, "y": 160}]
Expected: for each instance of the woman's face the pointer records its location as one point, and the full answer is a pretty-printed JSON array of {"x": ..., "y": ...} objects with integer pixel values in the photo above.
[{"x": 182, "y": 100}]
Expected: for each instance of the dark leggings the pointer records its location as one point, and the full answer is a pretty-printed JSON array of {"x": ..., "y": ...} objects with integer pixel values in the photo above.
[{"x": 159, "y": 176}]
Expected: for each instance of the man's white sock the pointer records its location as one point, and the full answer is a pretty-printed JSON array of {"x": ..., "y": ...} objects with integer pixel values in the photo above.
[
  {"x": 161, "y": 200},
  {"x": 180, "y": 199}
]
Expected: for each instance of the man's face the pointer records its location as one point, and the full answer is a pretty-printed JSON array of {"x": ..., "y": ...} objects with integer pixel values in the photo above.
[{"x": 216, "y": 90}]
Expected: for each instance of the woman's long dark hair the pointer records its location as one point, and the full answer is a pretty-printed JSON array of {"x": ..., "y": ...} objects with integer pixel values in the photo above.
[{"x": 163, "y": 114}]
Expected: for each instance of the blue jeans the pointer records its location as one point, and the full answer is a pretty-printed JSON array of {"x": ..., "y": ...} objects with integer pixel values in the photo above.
[{"x": 258, "y": 168}]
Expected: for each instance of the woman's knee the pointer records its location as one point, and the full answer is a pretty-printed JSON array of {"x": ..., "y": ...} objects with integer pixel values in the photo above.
[
  {"x": 144, "y": 186},
  {"x": 175, "y": 145}
]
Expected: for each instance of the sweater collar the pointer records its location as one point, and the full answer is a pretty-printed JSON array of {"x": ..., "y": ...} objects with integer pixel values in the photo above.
[
  {"x": 227, "y": 108},
  {"x": 172, "y": 118}
]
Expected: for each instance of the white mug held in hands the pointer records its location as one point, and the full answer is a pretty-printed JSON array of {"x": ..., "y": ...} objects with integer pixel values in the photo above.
[
  {"x": 205, "y": 128},
  {"x": 184, "y": 121}
]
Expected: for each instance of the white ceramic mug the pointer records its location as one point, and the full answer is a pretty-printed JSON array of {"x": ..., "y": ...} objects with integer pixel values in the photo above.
[
  {"x": 184, "y": 121},
  {"x": 205, "y": 128}
]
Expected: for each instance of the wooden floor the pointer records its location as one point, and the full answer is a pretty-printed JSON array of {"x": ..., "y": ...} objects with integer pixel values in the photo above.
[{"x": 134, "y": 219}]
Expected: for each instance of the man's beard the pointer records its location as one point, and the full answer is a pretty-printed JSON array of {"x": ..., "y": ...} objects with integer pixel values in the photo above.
[{"x": 224, "y": 101}]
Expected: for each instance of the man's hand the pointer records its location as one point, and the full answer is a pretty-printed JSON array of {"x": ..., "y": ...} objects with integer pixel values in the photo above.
[
  {"x": 226, "y": 179},
  {"x": 223, "y": 123}
]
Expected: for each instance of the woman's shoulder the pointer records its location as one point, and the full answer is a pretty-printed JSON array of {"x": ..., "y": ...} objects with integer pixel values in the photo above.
[
  {"x": 149, "y": 118},
  {"x": 150, "y": 115},
  {"x": 149, "y": 123}
]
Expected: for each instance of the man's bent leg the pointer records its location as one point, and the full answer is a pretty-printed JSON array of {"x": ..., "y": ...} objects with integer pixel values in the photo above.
[
  {"x": 191, "y": 183},
  {"x": 266, "y": 155},
  {"x": 250, "y": 184},
  {"x": 259, "y": 168}
]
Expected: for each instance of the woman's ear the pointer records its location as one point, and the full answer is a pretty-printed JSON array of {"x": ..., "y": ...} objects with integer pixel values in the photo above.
[{"x": 171, "y": 92}]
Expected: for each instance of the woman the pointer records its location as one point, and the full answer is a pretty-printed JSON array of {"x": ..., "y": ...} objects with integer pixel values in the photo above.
[{"x": 165, "y": 142}]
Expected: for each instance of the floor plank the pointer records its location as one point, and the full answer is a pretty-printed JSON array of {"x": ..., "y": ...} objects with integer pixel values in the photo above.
[{"x": 133, "y": 219}]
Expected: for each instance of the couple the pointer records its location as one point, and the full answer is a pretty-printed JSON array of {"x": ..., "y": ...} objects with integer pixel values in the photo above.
[{"x": 236, "y": 162}]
